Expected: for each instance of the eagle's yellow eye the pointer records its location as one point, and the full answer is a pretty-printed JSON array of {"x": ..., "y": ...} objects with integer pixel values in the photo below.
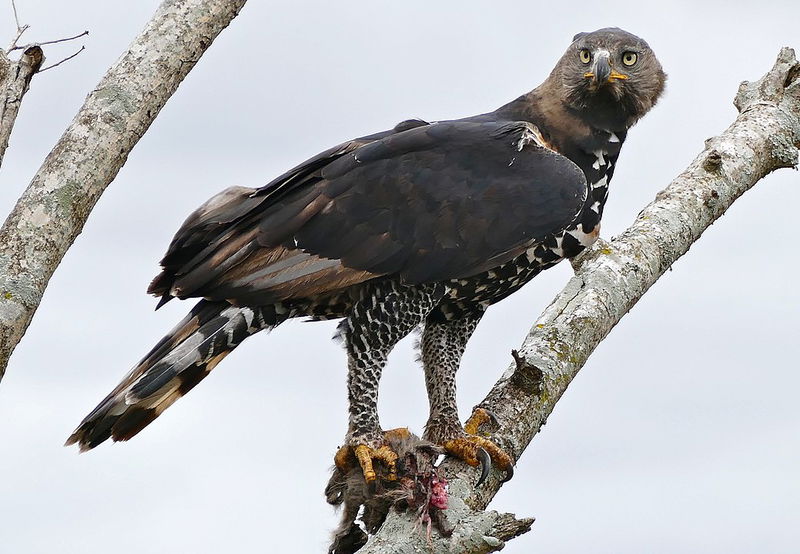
[
  {"x": 586, "y": 56},
  {"x": 629, "y": 58}
]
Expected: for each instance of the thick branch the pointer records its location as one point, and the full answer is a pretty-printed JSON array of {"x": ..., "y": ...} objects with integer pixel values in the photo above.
[
  {"x": 52, "y": 211},
  {"x": 609, "y": 280},
  {"x": 15, "y": 79}
]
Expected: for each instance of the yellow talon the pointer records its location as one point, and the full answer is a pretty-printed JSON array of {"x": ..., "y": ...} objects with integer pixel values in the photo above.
[
  {"x": 479, "y": 417},
  {"x": 365, "y": 456},
  {"x": 477, "y": 450}
]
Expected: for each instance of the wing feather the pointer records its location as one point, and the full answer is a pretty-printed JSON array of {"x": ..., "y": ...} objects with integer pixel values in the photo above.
[{"x": 424, "y": 202}]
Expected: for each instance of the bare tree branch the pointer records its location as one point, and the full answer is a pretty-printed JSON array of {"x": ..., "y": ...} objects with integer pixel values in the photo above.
[
  {"x": 52, "y": 211},
  {"x": 16, "y": 17},
  {"x": 15, "y": 80},
  {"x": 609, "y": 280},
  {"x": 20, "y": 28},
  {"x": 13, "y": 46},
  {"x": 56, "y": 41},
  {"x": 68, "y": 58}
]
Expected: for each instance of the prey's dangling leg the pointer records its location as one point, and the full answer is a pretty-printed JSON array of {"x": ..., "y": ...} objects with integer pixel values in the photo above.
[
  {"x": 385, "y": 313},
  {"x": 443, "y": 344}
]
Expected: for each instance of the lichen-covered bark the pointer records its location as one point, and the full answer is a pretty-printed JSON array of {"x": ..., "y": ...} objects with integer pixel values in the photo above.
[
  {"x": 609, "y": 279},
  {"x": 15, "y": 79},
  {"x": 115, "y": 115}
]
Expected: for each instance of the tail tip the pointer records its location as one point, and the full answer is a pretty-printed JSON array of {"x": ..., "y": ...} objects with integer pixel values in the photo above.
[{"x": 76, "y": 438}]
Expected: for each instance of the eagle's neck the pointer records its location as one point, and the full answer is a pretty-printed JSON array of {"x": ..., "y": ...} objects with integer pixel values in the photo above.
[{"x": 592, "y": 148}]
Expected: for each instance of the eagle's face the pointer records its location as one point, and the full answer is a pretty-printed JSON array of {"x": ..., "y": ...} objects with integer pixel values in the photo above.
[{"x": 611, "y": 76}]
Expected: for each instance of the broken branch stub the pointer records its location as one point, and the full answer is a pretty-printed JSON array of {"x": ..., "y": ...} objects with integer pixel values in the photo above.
[{"x": 15, "y": 80}]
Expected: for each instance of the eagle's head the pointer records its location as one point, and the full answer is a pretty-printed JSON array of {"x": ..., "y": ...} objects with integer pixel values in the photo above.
[{"x": 611, "y": 77}]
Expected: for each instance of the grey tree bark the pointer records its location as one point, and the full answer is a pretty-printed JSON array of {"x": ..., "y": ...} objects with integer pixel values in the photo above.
[
  {"x": 15, "y": 80},
  {"x": 52, "y": 211},
  {"x": 609, "y": 279}
]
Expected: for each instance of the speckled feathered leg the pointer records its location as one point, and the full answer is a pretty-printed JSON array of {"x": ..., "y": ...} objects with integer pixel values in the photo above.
[
  {"x": 384, "y": 313},
  {"x": 443, "y": 343},
  {"x": 442, "y": 346}
]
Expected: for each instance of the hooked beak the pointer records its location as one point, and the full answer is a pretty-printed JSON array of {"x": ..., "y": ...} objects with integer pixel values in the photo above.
[
  {"x": 601, "y": 72},
  {"x": 602, "y": 69}
]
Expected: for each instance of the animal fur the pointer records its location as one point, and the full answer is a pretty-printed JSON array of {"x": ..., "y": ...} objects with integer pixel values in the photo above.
[{"x": 418, "y": 488}]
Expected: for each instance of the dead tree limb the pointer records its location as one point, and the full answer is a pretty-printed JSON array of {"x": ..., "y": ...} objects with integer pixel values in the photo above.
[
  {"x": 15, "y": 80},
  {"x": 52, "y": 211},
  {"x": 609, "y": 280},
  {"x": 20, "y": 28}
]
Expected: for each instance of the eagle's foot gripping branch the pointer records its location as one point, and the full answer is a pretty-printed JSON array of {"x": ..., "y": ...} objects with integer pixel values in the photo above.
[{"x": 476, "y": 450}]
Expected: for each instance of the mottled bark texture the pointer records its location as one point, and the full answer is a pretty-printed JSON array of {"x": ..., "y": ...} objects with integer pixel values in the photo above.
[
  {"x": 52, "y": 211},
  {"x": 609, "y": 279},
  {"x": 15, "y": 79}
]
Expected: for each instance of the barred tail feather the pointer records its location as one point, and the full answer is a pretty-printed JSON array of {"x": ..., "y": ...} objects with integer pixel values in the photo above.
[{"x": 172, "y": 368}]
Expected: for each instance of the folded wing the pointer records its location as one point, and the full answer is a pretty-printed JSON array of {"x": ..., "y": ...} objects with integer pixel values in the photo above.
[{"x": 425, "y": 202}]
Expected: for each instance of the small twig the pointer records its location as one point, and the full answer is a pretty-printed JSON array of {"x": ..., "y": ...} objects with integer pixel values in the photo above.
[
  {"x": 518, "y": 360},
  {"x": 50, "y": 41},
  {"x": 62, "y": 61},
  {"x": 20, "y": 28},
  {"x": 16, "y": 17},
  {"x": 83, "y": 34}
]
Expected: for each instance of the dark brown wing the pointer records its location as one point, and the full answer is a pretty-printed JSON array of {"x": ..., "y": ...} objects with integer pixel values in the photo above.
[{"x": 428, "y": 203}]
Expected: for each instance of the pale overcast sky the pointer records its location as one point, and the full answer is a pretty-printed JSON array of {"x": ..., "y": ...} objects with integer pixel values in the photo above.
[{"x": 681, "y": 434}]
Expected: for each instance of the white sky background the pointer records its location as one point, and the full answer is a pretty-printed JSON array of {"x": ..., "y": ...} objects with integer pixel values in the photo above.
[{"x": 681, "y": 434}]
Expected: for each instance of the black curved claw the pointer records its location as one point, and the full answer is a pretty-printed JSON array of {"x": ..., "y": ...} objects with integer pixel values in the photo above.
[
  {"x": 509, "y": 474},
  {"x": 492, "y": 416},
  {"x": 486, "y": 465}
]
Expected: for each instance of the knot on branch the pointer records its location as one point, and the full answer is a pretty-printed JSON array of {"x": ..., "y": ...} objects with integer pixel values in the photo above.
[
  {"x": 34, "y": 56},
  {"x": 526, "y": 376},
  {"x": 713, "y": 161}
]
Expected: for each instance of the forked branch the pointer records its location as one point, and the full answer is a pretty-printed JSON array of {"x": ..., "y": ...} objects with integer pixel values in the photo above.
[
  {"x": 15, "y": 77},
  {"x": 52, "y": 211}
]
